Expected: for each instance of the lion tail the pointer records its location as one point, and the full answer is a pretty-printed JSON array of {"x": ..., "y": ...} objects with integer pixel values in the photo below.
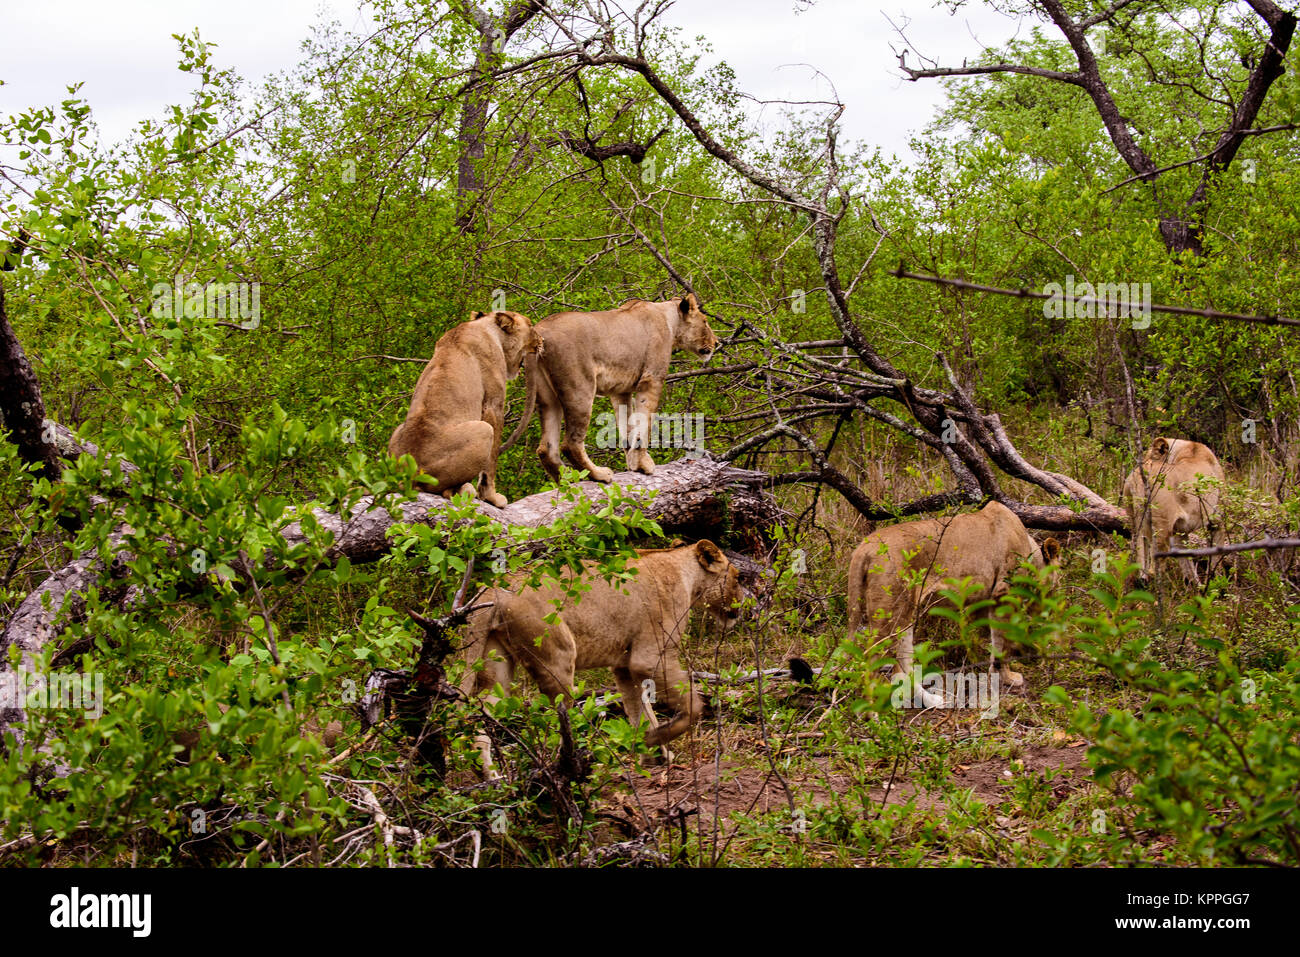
[{"x": 532, "y": 369}]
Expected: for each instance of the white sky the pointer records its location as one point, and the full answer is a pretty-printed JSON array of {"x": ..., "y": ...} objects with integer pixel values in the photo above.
[{"x": 124, "y": 52}]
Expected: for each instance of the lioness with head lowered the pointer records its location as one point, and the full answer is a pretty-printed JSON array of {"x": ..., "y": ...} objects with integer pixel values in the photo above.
[
  {"x": 897, "y": 573},
  {"x": 453, "y": 429},
  {"x": 619, "y": 353},
  {"x": 1167, "y": 505},
  {"x": 634, "y": 627}
]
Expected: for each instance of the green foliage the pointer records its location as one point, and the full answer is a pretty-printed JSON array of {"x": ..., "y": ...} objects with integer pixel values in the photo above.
[
  {"x": 227, "y": 636},
  {"x": 1210, "y": 758}
]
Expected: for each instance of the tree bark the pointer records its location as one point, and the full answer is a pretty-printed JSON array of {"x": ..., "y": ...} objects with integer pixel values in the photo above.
[
  {"x": 39, "y": 620},
  {"x": 22, "y": 409}
]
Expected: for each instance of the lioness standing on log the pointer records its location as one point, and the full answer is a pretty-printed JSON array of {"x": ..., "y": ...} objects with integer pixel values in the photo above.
[
  {"x": 897, "y": 573},
  {"x": 453, "y": 429},
  {"x": 617, "y": 353}
]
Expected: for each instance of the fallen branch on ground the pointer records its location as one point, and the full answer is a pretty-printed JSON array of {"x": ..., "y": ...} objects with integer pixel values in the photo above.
[{"x": 1263, "y": 544}]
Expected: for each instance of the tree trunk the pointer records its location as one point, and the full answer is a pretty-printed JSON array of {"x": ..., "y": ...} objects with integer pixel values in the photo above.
[
  {"x": 22, "y": 410},
  {"x": 493, "y": 36}
]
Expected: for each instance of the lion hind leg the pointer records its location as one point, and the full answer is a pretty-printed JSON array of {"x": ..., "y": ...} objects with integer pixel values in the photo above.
[
  {"x": 577, "y": 416},
  {"x": 670, "y": 680},
  {"x": 551, "y": 663},
  {"x": 904, "y": 656},
  {"x": 497, "y": 672},
  {"x": 488, "y": 481},
  {"x": 458, "y": 456},
  {"x": 631, "y": 692},
  {"x": 549, "y": 412}
]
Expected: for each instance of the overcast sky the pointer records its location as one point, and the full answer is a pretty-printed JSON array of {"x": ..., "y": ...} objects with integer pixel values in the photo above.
[{"x": 124, "y": 52}]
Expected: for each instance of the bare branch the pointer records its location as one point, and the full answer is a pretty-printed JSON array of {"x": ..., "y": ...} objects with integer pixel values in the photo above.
[
  {"x": 1154, "y": 307},
  {"x": 914, "y": 74},
  {"x": 1263, "y": 544}
]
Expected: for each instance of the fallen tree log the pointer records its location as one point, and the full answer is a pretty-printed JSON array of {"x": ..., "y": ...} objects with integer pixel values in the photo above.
[
  {"x": 698, "y": 497},
  {"x": 694, "y": 497}
]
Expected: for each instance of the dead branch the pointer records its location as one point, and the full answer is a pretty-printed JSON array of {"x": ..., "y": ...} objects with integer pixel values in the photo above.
[
  {"x": 1263, "y": 544},
  {"x": 1023, "y": 293},
  {"x": 972, "y": 456}
]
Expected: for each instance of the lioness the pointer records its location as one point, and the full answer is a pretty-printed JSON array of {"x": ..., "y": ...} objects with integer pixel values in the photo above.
[
  {"x": 633, "y": 627},
  {"x": 1167, "y": 505},
  {"x": 453, "y": 429},
  {"x": 616, "y": 353},
  {"x": 896, "y": 575}
]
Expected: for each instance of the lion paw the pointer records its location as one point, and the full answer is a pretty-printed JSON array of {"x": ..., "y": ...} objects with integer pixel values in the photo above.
[
  {"x": 497, "y": 499},
  {"x": 639, "y": 461},
  {"x": 602, "y": 474}
]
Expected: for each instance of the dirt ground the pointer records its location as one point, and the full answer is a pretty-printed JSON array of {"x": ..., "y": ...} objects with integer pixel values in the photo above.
[{"x": 719, "y": 789}]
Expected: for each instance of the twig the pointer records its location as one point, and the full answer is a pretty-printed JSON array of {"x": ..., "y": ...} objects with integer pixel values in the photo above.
[
  {"x": 380, "y": 818},
  {"x": 393, "y": 358},
  {"x": 778, "y": 673}
]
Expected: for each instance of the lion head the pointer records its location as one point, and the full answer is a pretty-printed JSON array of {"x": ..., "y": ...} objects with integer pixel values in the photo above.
[
  {"x": 519, "y": 340},
  {"x": 723, "y": 592},
  {"x": 693, "y": 333}
]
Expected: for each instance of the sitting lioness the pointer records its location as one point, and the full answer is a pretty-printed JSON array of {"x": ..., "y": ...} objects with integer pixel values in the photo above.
[
  {"x": 453, "y": 429},
  {"x": 633, "y": 626},
  {"x": 617, "y": 353},
  {"x": 1166, "y": 505},
  {"x": 896, "y": 575}
]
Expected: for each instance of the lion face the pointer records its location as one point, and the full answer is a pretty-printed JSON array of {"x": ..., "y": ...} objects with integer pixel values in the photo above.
[
  {"x": 693, "y": 331},
  {"x": 723, "y": 593}
]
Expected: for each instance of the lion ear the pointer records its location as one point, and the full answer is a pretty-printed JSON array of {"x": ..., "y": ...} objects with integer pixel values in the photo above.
[
  {"x": 1051, "y": 550},
  {"x": 506, "y": 321},
  {"x": 477, "y": 315},
  {"x": 1160, "y": 446},
  {"x": 709, "y": 555},
  {"x": 538, "y": 345},
  {"x": 684, "y": 307}
]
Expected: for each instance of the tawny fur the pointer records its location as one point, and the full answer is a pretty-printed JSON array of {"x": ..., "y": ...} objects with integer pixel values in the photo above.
[
  {"x": 1164, "y": 507},
  {"x": 986, "y": 546},
  {"x": 620, "y": 353},
  {"x": 634, "y": 627},
  {"x": 457, "y": 414}
]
